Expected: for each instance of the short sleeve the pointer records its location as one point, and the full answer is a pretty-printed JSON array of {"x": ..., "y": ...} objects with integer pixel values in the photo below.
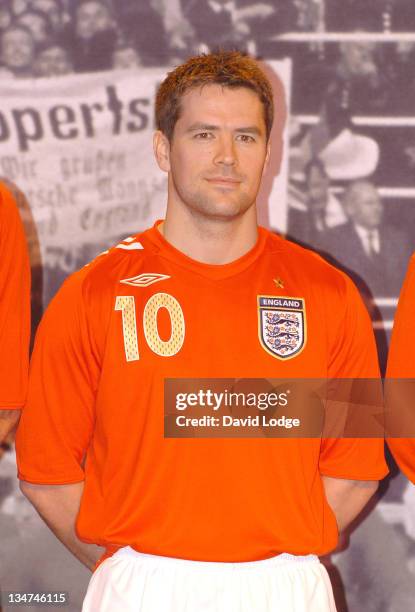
[
  {"x": 14, "y": 305},
  {"x": 352, "y": 355},
  {"x": 57, "y": 423},
  {"x": 400, "y": 394}
]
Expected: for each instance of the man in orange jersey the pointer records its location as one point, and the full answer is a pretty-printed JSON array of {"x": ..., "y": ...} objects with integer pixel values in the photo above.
[
  {"x": 400, "y": 387},
  {"x": 14, "y": 313},
  {"x": 203, "y": 523}
]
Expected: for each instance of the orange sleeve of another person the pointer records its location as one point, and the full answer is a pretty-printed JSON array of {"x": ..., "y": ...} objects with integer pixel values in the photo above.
[
  {"x": 14, "y": 305},
  {"x": 353, "y": 356},
  {"x": 400, "y": 394}
]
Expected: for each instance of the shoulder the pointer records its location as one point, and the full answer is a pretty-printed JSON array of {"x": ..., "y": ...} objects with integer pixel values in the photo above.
[
  {"x": 118, "y": 261},
  {"x": 12, "y": 232},
  {"x": 8, "y": 204},
  {"x": 84, "y": 302},
  {"x": 97, "y": 281},
  {"x": 309, "y": 267}
]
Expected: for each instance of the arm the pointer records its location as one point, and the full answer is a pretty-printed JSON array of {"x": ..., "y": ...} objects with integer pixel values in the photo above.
[
  {"x": 347, "y": 498},
  {"x": 57, "y": 422},
  {"x": 8, "y": 422},
  {"x": 400, "y": 383},
  {"x": 14, "y": 313},
  {"x": 350, "y": 468},
  {"x": 58, "y": 505}
]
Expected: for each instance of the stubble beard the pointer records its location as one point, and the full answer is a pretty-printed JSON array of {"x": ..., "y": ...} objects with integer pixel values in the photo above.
[{"x": 211, "y": 206}]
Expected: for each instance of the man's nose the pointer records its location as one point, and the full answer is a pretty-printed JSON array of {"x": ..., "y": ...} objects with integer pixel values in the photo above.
[{"x": 226, "y": 151}]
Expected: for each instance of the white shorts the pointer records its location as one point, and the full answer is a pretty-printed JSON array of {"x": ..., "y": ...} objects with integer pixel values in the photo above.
[{"x": 134, "y": 582}]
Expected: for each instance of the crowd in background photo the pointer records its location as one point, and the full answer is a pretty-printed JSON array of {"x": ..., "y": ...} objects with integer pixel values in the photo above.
[{"x": 56, "y": 37}]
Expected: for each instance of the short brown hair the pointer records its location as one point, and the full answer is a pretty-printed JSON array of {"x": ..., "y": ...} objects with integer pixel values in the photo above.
[{"x": 227, "y": 68}]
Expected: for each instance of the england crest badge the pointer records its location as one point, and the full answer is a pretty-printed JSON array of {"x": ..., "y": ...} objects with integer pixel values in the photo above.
[{"x": 282, "y": 325}]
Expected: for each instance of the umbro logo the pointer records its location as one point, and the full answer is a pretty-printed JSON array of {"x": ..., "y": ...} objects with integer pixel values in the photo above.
[{"x": 145, "y": 279}]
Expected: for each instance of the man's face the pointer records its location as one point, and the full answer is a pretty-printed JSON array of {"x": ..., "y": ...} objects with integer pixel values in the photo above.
[
  {"x": 36, "y": 24},
  {"x": 51, "y": 9},
  {"x": 19, "y": 6},
  {"x": 358, "y": 58},
  {"x": 364, "y": 206},
  {"x": 91, "y": 18},
  {"x": 318, "y": 187},
  {"x": 52, "y": 62},
  {"x": 218, "y": 151},
  {"x": 17, "y": 48},
  {"x": 125, "y": 58}
]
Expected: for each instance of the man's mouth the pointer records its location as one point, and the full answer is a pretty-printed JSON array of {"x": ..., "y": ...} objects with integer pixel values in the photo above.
[{"x": 223, "y": 181}]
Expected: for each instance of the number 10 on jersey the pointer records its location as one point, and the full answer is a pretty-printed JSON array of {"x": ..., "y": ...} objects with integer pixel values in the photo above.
[{"x": 164, "y": 348}]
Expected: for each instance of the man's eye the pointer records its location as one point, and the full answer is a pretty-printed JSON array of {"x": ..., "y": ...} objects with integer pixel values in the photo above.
[
  {"x": 204, "y": 135},
  {"x": 246, "y": 138}
]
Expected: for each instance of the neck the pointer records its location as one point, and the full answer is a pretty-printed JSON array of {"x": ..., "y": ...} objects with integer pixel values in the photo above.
[{"x": 213, "y": 241}]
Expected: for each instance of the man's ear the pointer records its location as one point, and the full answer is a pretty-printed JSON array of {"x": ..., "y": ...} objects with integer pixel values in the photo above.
[
  {"x": 267, "y": 155},
  {"x": 274, "y": 155},
  {"x": 161, "y": 148}
]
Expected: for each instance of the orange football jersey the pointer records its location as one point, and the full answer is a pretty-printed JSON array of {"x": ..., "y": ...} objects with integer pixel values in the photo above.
[
  {"x": 401, "y": 365},
  {"x": 14, "y": 305},
  {"x": 145, "y": 312}
]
